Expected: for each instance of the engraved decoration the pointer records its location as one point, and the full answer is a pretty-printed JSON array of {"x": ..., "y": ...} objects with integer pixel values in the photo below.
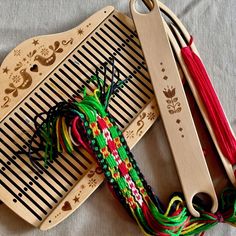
[
  {"x": 22, "y": 77},
  {"x": 7, "y": 100},
  {"x": 21, "y": 82},
  {"x": 48, "y": 61},
  {"x": 173, "y": 105},
  {"x": 140, "y": 123},
  {"x": 66, "y": 206},
  {"x": 30, "y": 63},
  {"x": 70, "y": 41},
  {"x": 145, "y": 118}
]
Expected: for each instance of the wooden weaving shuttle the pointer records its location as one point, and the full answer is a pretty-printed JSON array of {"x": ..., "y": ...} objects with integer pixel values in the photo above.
[
  {"x": 189, "y": 158},
  {"x": 45, "y": 70}
]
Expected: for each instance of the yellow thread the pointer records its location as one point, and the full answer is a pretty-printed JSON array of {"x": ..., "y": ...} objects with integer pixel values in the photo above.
[
  {"x": 95, "y": 129},
  {"x": 192, "y": 228},
  {"x": 95, "y": 94},
  {"x": 176, "y": 198},
  {"x": 57, "y": 134},
  {"x": 66, "y": 134}
]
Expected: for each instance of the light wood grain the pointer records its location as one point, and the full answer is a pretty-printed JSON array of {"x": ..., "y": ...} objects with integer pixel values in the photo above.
[{"x": 186, "y": 148}]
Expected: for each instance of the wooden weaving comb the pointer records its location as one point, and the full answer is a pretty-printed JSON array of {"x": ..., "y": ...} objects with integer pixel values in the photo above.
[{"x": 45, "y": 70}]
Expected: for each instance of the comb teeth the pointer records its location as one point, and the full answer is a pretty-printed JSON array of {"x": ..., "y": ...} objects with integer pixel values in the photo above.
[{"x": 37, "y": 194}]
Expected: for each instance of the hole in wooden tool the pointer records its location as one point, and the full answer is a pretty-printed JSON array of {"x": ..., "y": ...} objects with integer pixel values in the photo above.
[
  {"x": 203, "y": 200},
  {"x": 143, "y": 6}
]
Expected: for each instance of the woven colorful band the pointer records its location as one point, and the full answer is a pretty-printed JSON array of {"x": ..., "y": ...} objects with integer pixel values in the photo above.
[{"x": 87, "y": 123}]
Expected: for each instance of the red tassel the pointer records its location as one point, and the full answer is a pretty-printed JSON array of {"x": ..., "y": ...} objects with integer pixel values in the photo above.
[{"x": 216, "y": 115}]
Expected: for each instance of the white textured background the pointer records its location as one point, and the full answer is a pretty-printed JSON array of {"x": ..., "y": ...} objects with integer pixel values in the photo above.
[{"x": 212, "y": 22}]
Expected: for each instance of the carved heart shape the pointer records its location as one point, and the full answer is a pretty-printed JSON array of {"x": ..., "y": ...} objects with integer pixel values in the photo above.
[
  {"x": 67, "y": 206},
  {"x": 34, "y": 68}
]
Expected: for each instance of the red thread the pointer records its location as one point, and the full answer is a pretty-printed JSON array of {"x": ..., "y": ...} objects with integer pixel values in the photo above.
[
  {"x": 111, "y": 145},
  {"x": 102, "y": 123},
  {"x": 77, "y": 134},
  {"x": 123, "y": 169},
  {"x": 151, "y": 221},
  {"x": 220, "y": 218},
  {"x": 216, "y": 115}
]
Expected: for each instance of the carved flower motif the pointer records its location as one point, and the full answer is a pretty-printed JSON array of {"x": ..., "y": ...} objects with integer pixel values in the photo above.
[
  {"x": 16, "y": 78},
  {"x": 92, "y": 183},
  {"x": 151, "y": 116},
  {"x": 170, "y": 93},
  {"x": 129, "y": 134},
  {"x": 44, "y": 51},
  {"x": 17, "y": 52},
  {"x": 173, "y": 105}
]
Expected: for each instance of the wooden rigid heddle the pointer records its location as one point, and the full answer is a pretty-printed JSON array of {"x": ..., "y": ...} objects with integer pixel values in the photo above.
[{"x": 45, "y": 70}]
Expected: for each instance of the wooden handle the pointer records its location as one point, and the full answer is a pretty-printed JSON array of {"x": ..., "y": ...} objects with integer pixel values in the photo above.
[{"x": 185, "y": 145}]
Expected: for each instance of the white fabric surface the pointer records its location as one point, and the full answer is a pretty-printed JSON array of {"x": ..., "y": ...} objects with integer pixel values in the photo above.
[{"x": 212, "y": 22}]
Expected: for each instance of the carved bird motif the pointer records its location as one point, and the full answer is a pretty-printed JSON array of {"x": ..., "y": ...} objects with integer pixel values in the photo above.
[
  {"x": 51, "y": 59},
  {"x": 27, "y": 79},
  {"x": 26, "y": 83}
]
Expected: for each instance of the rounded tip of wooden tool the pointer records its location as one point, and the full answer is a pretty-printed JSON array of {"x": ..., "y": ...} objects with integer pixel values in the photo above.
[
  {"x": 150, "y": 4},
  {"x": 209, "y": 196}
]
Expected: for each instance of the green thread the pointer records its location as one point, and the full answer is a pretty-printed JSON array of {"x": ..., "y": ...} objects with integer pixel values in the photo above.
[
  {"x": 122, "y": 183},
  {"x": 113, "y": 131},
  {"x": 101, "y": 141},
  {"x": 122, "y": 153},
  {"x": 111, "y": 161}
]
